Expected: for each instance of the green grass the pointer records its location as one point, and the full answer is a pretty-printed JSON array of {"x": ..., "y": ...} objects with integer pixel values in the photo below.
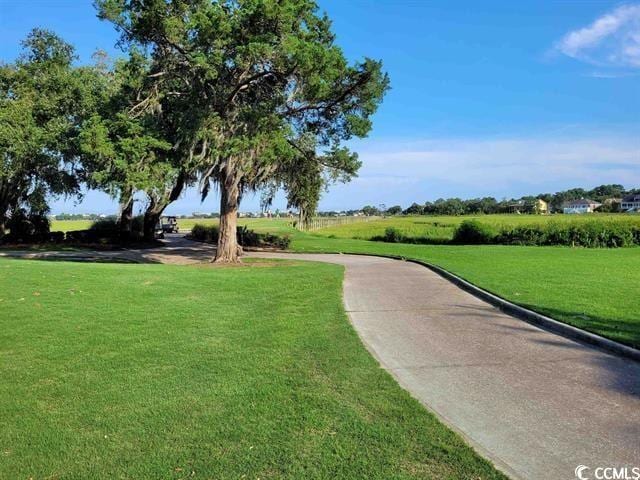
[
  {"x": 273, "y": 225},
  {"x": 70, "y": 225},
  {"x": 593, "y": 289},
  {"x": 262, "y": 225},
  {"x": 167, "y": 372},
  {"x": 441, "y": 228}
]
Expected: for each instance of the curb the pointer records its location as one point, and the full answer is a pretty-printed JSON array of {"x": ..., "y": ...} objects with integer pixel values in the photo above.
[
  {"x": 537, "y": 319},
  {"x": 521, "y": 313}
]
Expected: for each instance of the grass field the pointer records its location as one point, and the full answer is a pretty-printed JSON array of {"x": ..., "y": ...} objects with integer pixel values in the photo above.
[
  {"x": 69, "y": 225},
  {"x": 157, "y": 371},
  {"x": 258, "y": 224},
  {"x": 594, "y": 289},
  {"x": 441, "y": 228}
]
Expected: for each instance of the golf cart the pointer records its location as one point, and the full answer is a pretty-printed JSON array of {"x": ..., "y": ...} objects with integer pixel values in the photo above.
[
  {"x": 166, "y": 225},
  {"x": 169, "y": 224}
]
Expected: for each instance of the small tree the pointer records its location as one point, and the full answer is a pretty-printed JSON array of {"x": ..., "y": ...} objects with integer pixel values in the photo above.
[
  {"x": 414, "y": 209},
  {"x": 395, "y": 210},
  {"x": 369, "y": 210}
]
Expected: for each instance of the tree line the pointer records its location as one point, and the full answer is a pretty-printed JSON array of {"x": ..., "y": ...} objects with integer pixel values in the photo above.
[
  {"x": 224, "y": 95},
  {"x": 608, "y": 195}
]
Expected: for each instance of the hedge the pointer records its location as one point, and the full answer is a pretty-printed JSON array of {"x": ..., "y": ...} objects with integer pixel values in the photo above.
[
  {"x": 246, "y": 237},
  {"x": 594, "y": 234}
]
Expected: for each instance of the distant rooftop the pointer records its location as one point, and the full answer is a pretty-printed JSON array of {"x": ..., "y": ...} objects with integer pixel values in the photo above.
[{"x": 580, "y": 202}]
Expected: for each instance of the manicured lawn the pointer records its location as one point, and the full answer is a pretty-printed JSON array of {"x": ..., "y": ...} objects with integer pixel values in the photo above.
[
  {"x": 259, "y": 224},
  {"x": 594, "y": 289},
  {"x": 152, "y": 371},
  {"x": 441, "y": 228},
  {"x": 273, "y": 225},
  {"x": 69, "y": 225}
]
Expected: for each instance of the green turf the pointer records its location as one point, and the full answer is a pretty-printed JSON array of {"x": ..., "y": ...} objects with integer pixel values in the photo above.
[
  {"x": 593, "y": 289},
  {"x": 258, "y": 224},
  {"x": 441, "y": 228},
  {"x": 69, "y": 225},
  {"x": 166, "y": 372}
]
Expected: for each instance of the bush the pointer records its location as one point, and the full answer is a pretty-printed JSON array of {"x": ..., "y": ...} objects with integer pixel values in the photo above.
[
  {"x": 56, "y": 237},
  {"x": 77, "y": 236},
  {"x": 107, "y": 230},
  {"x": 246, "y": 237},
  {"x": 393, "y": 235},
  {"x": 472, "y": 232},
  {"x": 27, "y": 227},
  {"x": 205, "y": 233},
  {"x": 593, "y": 234}
]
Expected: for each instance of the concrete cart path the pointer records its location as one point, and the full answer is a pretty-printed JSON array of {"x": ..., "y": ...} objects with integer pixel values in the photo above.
[{"x": 536, "y": 404}]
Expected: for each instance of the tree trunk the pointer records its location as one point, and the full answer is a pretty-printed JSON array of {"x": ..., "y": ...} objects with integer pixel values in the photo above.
[
  {"x": 157, "y": 206},
  {"x": 228, "y": 250},
  {"x": 125, "y": 218},
  {"x": 5, "y": 205},
  {"x": 151, "y": 217}
]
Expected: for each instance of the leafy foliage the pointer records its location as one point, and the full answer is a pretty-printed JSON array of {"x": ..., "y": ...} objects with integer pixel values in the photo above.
[
  {"x": 43, "y": 101},
  {"x": 593, "y": 234},
  {"x": 265, "y": 97},
  {"x": 472, "y": 232},
  {"x": 27, "y": 227}
]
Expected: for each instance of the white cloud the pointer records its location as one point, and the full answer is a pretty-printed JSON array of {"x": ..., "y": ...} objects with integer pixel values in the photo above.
[
  {"x": 401, "y": 172},
  {"x": 498, "y": 167},
  {"x": 611, "y": 40}
]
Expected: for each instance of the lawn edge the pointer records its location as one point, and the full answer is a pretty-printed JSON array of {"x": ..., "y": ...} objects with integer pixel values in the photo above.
[{"x": 519, "y": 312}]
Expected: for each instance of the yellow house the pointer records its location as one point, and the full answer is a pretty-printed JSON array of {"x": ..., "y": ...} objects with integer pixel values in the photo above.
[{"x": 540, "y": 207}]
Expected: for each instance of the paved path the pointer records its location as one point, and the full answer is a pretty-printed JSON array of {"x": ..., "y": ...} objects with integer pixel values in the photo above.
[
  {"x": 537, "y": 404},
  {"x": 175, "y": 249}
]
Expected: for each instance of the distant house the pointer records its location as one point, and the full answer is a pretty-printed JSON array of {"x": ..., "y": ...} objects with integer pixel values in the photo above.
[
  {"x": 630, "y": 203},
  {"x": 538, "y": 206},
  {"x": 584, "y": 205}
]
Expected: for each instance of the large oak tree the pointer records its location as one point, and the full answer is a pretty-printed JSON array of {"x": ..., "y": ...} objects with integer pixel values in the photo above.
[{"x": 265, "y": 88}]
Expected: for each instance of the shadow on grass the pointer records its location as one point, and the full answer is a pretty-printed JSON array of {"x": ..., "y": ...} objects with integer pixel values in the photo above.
[{"x": 62, "y": 256}]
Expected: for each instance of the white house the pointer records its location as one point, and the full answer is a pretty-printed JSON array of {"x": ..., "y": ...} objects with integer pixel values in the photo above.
[
  {"x": 584, "y": 205},
  {"x": 630, "y": 203}
]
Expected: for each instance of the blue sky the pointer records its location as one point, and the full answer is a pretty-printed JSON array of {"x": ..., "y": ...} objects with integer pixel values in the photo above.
[{"x": 496, "y": 98}]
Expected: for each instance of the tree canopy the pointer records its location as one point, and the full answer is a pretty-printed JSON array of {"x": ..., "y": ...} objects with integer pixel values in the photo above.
[
  {"x": 43, "y": 101},
  {"x": 271, "y": 98}
]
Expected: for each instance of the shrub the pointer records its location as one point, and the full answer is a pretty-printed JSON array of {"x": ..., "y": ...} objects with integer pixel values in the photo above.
[
  {"x": 523, "y": 235},
  {"x": 56, "y": 237},
  {"x": 77, "y": 236},
  {"x": 594, "y": 234},
  {"x": 27, "y": 227},
  {"x": 246, "y": 237},
  {"x": 393, "y": 235},
  {"x": 107, "y": 230},
  {"x": 472, "y": 232},
  {"x": 205, "y": 233}
]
